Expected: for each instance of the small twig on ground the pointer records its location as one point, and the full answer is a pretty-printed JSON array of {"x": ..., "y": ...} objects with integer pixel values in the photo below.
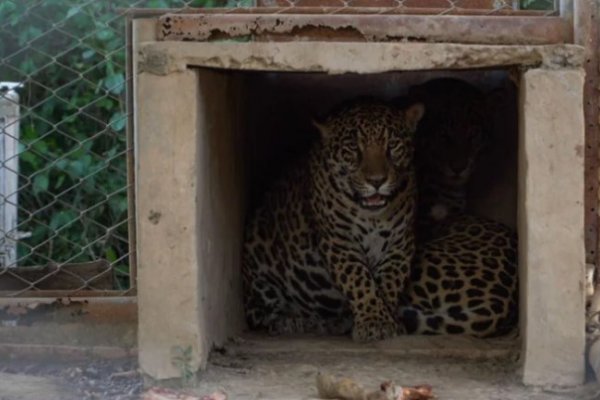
[{"x": 124, "y": 374}]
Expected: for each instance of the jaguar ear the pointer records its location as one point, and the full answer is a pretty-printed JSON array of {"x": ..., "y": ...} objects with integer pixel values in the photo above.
[
  {"x": 323, "y": 128},
  {"x": 413, "y": 115}
]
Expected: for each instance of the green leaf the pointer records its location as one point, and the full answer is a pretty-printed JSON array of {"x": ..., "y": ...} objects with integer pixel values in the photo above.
[
  {"x": 117, "y": 121},
  {"x": 40, "y": 183},
  {"x": 77, "y": 168},
  {"x": 62, "y": 218},
  {"x": 29, "y": 158},
  {"x": 28, "y": 66},
  {"x": 88, "y": 54},
  {"x": 115, "y": 83},
  {"x": 158, "y": 4},
  {"x": 72, "y": 11},
  {"x": 105, "y": 35},
  {"x": 28, "y": 34},
  {"x": 110, "y": 254},
  {"x": 40, "y": 146},
  {"x": 61, "y": 164},
  {"x": 59, "y": 181},
  {"x": 118, "y": 205}
]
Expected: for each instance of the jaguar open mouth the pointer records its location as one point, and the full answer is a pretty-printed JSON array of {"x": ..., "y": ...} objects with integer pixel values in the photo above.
[{"x": 374, "y": 201}]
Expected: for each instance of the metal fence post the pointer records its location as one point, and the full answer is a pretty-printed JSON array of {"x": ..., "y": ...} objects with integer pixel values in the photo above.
[{"x": 9, "y": 173}]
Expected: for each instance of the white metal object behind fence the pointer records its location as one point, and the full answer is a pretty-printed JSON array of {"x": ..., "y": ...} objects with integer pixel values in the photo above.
[{"x": 9, "y": 174}]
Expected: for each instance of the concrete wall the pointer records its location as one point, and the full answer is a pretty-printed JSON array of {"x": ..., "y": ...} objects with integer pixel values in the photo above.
[
  {"x": 189, "y": 214},
  {"x": 551, "y": 227},
  {"x": 167, "y": 223},
  {"x": 220, "y": 204}
]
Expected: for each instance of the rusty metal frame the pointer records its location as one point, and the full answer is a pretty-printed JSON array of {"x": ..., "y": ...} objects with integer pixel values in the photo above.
[
  {"x": 455, "y": 29},
  {"x": 131, "y": 202},
  {"x": 340, "y": 10},
  {"x": 586, "y": 34},
  {"x": 36, "y": 294}
]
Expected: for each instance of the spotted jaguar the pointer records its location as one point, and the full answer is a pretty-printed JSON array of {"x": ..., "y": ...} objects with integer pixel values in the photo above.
[
  {"x": 331, "y": 244},
  {"x": 464, "y": 281}
]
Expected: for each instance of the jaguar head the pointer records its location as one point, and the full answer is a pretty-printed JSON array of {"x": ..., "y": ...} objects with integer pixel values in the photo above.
[{"x": 368, "y": 149}]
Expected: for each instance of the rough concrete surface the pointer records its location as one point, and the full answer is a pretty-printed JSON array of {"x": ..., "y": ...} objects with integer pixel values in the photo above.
[
  {"x": 162, "y": 58},
  {"x": 247, "y": 374},
  {"x": 27, "y": 387},
  {"x": 551, "y": 227},
  {"x": 285, "y": 369},
  {"x": 167, "y": 245}
]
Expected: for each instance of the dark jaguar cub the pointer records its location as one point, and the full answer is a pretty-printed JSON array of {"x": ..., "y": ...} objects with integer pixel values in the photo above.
[
  {"x": 448, "y": 143},
  {"x": 464, "y": 279}
]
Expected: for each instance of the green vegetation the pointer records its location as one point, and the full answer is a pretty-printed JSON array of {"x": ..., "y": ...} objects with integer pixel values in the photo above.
[
  {"x": 537, "y": 4},
  {"x": 70, "y": 55}
]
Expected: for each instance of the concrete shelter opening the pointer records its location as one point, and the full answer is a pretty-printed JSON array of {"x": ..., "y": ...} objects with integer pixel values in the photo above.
[{"x": 196, "y": 109}]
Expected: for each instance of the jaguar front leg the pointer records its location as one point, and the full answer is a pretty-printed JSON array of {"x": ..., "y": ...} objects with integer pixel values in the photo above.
[
  {"x": 392, "y": 272},
  {"x": 391, "y": 278},
  {"x": 372, "y": 317},
  {"x": 390, "y": 275}
]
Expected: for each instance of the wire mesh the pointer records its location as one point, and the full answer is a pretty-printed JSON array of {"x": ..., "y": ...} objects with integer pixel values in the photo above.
[
  {"x": 70, "y": 231},
  {"x": 426, "y": 7}
]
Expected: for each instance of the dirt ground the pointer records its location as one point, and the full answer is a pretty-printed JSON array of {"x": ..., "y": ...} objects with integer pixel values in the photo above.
[
  {"x": 52, "y": 379},
  {"x": 281, "y": 370}
]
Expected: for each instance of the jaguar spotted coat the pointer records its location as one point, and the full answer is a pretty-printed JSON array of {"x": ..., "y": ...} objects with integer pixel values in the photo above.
[
  {"x": 464, "y": 281},
  {"x": 332, "y": 243}
]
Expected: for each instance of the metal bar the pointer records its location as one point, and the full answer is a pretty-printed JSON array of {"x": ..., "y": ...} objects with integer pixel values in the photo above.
[
  {"x": 131, "y": 224},
  {"x": 566, "y": 12},
  {"x": 143, "y": 12},
  {"x": 565, "y": 8},
  {"x": 587, "y": 35},
  {"x": 9, "y": 174},
  {"x": 65, "y": 293},
  {"x": 453, "y": 29}
]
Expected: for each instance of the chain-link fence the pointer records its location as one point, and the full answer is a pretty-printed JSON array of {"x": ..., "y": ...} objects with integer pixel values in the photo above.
[
  {"x": 427, "y": 7},
  {"x": 64, "y": 147}
]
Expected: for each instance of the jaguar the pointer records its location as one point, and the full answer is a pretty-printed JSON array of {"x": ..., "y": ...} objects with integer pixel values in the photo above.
[
  {"x": 449, "y": 141},
  {"x": 464, "y": 278},
  {"x": 463, "y": 281},
  {"x": 330, "y": 245}
]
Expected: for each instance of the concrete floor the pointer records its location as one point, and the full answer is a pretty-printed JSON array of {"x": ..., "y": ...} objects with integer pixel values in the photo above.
[
  {"x": 458, "y": 368},
  {"x": 258, "y": 367}
]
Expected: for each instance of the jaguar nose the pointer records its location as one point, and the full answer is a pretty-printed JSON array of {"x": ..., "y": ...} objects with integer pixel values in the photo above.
[{"x": 376, "y": 181}]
